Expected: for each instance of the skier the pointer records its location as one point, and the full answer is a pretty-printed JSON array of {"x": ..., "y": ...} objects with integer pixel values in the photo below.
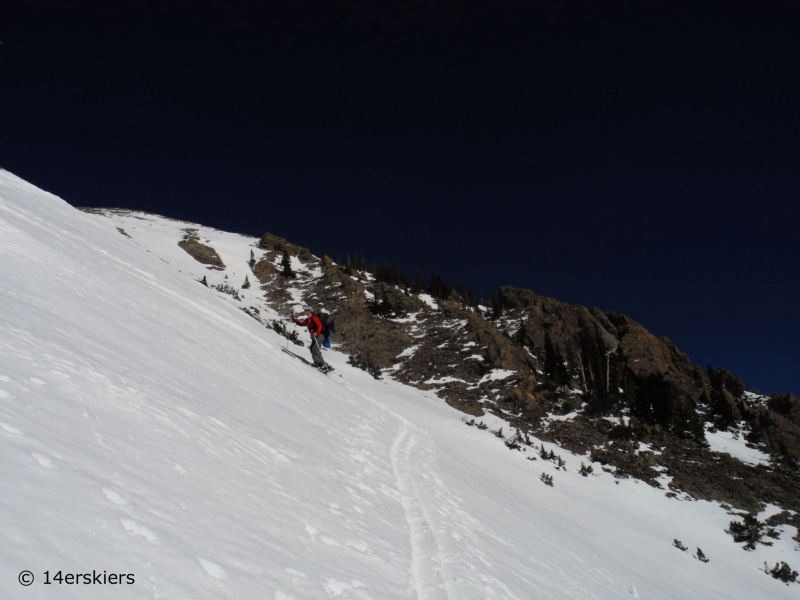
[
  {"x": 328, "y": 327},
  {"x": 315, "y": 329}
]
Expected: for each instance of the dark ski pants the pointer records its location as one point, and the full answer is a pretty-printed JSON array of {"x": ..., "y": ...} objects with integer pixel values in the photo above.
[{"x": 316, "y": 352}]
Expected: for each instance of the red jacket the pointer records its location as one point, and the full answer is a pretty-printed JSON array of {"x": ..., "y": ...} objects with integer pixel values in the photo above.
[{"x": 313, "y": 323}]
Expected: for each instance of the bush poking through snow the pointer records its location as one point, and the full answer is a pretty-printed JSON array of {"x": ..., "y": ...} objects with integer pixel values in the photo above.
[
  {"x": 679, "y": 545},
  {"x": 622, "y": 432},
  {"x": 585, "y": 471},
  {"x": 386, "y": 308},
  {"x": 783, "y": 572},
  {"x": 359, "y": 362},
  {"x": 280, "y": 329},
  {"x": 751, "y": 531},
  {"x": 516, "y": 441},
  {"x": 204, "y": 281},
  {"x": 226, "y": 289},
  {"x": 498, "y": 433},
  {"x": 252, "y": 311},
  {"x": 547, "y": 479},
  {"x": 552, "y": 457},
  {"x": 701, "y": 556}
]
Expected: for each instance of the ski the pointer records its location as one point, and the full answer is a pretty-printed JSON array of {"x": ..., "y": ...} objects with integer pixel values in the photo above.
[{"x": 324, "y": 370}]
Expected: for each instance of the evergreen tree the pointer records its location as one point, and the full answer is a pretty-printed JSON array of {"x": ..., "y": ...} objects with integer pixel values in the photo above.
[
  {"x": 783, "y": 572},
  {"x": 499, "y": 303},
  {"x": 751, "y": 531},
  {"x": 246, "y": 284},
  {"x": 496, "y": 304},
  {"x": 592, "y": 356},
  {"x": 466, "y": 295},
  {"x": 726, "y": 413},
  {"x": 357, "y": 262},
  {"x": 252, "y": 261},
  {"x": 554, "y": 366},
  {"x": 469, "y": 298},
  {"x": 386, "y": 308},
  {"x": 419, "y": 284},
  {"x": 286, "y": 263},
  {"x": 391, "y": 274},
  {"x": 439, "y": 288}
]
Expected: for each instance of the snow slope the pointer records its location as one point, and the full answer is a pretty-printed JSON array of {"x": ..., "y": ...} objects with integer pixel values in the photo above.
[{"x": 149, "y": 427}]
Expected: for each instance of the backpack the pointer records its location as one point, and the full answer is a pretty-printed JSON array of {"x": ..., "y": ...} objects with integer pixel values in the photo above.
[{"x": 328, "y": 326}]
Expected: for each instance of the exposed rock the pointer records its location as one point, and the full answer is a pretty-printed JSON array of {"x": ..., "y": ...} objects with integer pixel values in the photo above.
[
  {"x": 200, "y": 252},
  {"x": 787, "y": 405},
  {"x": 279, "y": 244},
  {"x": 264, "y": 271},
  {"x": 779, "y": 432},
  {"x": 531, "y": 356},
  {"x": 726, "y": 397}
]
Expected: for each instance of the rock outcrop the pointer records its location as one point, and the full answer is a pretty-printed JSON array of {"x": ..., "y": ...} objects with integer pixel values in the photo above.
[
  {"x": 594, "y": 381},
  {"x": 200, "y": 252}
]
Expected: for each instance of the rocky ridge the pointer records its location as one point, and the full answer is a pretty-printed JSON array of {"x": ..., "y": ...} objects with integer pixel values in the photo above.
[{"x": 632, "y": 401}]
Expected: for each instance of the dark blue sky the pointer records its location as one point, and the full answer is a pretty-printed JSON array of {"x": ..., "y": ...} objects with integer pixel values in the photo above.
[{"x": 640, "y": 157}]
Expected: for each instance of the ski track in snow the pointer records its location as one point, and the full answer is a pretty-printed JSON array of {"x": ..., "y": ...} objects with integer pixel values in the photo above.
[
  {"x": 423, "y": 505},
  {"x": 427, "y": 564}
]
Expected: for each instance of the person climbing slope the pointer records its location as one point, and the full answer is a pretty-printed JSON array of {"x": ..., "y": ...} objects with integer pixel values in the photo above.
[
  {"x": 316, "y": 330},
  {"x": 328, "y": 328}
]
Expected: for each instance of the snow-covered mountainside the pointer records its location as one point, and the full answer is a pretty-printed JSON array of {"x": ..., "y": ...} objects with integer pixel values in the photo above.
[
  {"x": 151, "y": 428},
  {"x": 591, "y": 380}
]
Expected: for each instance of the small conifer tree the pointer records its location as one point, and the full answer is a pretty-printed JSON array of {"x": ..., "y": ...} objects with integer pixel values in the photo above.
[
  {"x": 246, "y": 284},
  {"x": 419, "y": 284},
  {"x": 438, "y": 287},
  {"x": 286, "y": 264},
  {"x": 783, "y": 572},
  {"x": 252, "y": 261},
  {"x": 554, "y": 367},
  {"x": 751, "y": 531}
]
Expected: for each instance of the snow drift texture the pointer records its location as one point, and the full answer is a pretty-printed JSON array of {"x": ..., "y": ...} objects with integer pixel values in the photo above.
[{"x": 148, "y": 427}]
